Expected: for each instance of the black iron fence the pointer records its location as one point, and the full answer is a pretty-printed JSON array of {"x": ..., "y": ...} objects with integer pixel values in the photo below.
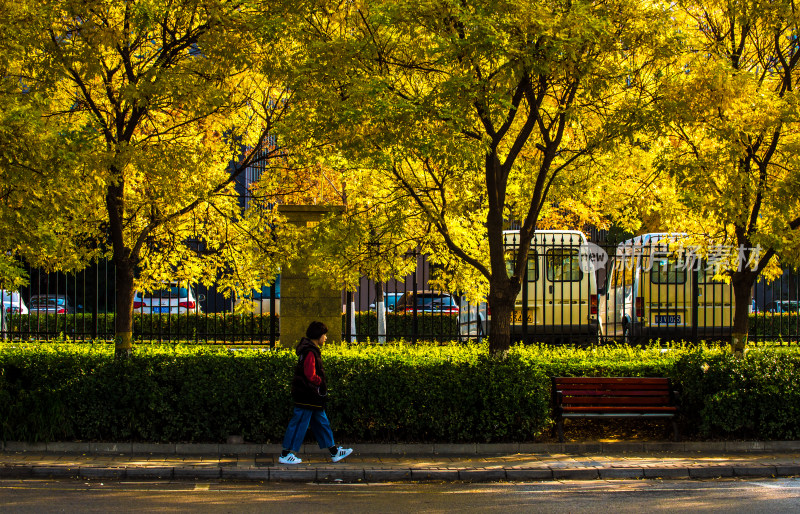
[{"x": 572, "y": 292}]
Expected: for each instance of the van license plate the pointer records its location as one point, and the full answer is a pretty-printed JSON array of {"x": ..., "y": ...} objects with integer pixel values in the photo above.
[
  {"x": 516, "y": 316},
  {"x": 667, "y": 319},
  {"x": 161, "y": 310}
]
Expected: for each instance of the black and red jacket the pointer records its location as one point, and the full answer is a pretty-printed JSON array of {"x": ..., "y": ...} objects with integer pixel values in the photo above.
[{"x": 309, "y": 386}]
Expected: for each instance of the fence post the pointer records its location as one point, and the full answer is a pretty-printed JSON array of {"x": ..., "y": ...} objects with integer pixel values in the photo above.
[
  {"x": 695, "y": 302},
  {"x": 524, "y": 281},
  {"x": 351, "y": 318},
  {"x": 272, "y": 314},
  {"x": 3, "y": 320},
  {"x": 414, "y": 320}
]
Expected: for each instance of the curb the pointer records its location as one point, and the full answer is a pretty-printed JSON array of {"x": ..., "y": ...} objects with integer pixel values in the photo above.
[
  {"x": 405, "y": 449},
  {"x": 356, "y": 475}
]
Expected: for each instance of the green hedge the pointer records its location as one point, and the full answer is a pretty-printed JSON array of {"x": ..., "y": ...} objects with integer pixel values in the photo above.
[
  {"x": 247, "y": 327},
  {"x": 220, "y": 326},
  {"x": 775, "y": 326},
  {"x": 400, "y": 326},
  {"x": 420, "y": 393},
  {"x": 197, "y": 327}
]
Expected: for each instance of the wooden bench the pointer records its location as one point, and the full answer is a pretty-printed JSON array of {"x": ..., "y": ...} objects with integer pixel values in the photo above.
[{"x": 613, "y": 397}]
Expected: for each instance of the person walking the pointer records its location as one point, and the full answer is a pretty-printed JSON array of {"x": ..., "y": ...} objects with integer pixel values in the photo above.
[{"x": 310, "y": 394}]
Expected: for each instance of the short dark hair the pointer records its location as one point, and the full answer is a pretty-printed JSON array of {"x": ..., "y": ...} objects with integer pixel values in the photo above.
[{"x": 316, "y": 329}]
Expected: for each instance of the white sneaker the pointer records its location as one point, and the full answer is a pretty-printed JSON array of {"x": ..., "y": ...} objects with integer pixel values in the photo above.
[
  {"x": 290, "y": 459},
  {"x": 341, "y": 454}
]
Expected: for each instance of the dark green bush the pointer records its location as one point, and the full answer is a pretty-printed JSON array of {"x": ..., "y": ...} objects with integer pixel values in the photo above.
[
  {"x": 379, "y": 393},
  {"x": 69, "y": 391},
  {"x": 52, "y": 392},
  {"x": 756, "y": 396}
]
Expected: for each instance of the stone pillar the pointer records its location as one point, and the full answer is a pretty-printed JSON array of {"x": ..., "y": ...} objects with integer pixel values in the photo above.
[{"x": 302, "y": 303}]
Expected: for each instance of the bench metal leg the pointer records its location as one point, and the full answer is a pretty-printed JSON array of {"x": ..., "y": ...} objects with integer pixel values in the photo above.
[
  {"x": 676, "y": 435},
  {"x": 560, "y": 429}
]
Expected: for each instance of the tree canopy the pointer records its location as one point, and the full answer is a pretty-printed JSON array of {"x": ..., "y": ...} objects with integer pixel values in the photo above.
[
  {"x": 455, "y": 119},
  {"x": 124, "y": 127}
]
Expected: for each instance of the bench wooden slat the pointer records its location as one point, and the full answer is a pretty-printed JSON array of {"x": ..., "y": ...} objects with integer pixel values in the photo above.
[
  {"x": 613, "y": 387},
  {"x": 651, "y": 415},
  {"x": 610, "y": 380},
  {"x": 604, "y": 392},
  {"x": 621, "y": 408},
  {"x": 617, "y": 400},
  {"x": 613, "y": 397}
]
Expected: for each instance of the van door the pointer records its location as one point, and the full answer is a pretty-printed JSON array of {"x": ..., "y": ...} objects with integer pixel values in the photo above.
[
  {"x": 531, "y": 290},
  {"x": 566, "y": 289},
  {"x": 666, "y": 290},
  {"x": 620, "y": 309},
  {"x": 715, "y": 306},
  {"x": 618, "y": 292}
]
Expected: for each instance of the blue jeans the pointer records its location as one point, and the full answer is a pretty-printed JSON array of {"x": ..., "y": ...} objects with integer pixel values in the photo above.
[{"x": 298, "y": 426}]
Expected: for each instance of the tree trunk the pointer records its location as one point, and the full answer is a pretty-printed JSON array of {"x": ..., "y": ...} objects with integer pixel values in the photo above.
[
  {"x": 742, "y": 285},
  {"x": 124, "y": 261},
  {"x": 123, "y": 319},
  {"x": 502, "y": 294}
]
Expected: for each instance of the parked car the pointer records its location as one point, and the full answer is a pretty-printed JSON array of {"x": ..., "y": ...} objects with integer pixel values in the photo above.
[
  {"x": 389, "y": 301},
  {"x": 170, "y": 299},
  {"x": 426, "y": 301},
  {"x": 12, "y": 302},
  {"x": 780, "y": 306},
  {"x": 51, "y": 304},
  {"x": 259, "y": 300}
]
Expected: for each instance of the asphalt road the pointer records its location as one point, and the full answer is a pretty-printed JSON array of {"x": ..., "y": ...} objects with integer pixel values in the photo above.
[{"x": 596, "y": 496}]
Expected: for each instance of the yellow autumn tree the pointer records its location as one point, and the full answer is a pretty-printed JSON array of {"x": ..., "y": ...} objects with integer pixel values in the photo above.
[
  {"x": 451, "y": 118},
  {"x": 150, "y": 111},
  {"x": 730, "y": 110}
]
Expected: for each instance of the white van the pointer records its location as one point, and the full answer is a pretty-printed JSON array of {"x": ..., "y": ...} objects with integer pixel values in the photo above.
[
  {"x": 558, "y": 301},
  {"x": 651, "y": 289}
]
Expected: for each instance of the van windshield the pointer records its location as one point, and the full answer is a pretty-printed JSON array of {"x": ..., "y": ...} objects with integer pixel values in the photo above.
[{"x": 390, "y": 299}]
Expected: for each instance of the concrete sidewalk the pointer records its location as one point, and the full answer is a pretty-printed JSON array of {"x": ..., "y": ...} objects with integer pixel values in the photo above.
[{"x": 403, "y": 462}]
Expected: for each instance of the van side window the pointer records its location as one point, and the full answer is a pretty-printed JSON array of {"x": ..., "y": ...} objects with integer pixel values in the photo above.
[
  {"x": 706, "y": 275},
  {"x": 563, "y": 265},
  {"x": 533, "y": 264},
  {"x": 667, "y": 271},
  {"x": 623, "y": 271}
]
